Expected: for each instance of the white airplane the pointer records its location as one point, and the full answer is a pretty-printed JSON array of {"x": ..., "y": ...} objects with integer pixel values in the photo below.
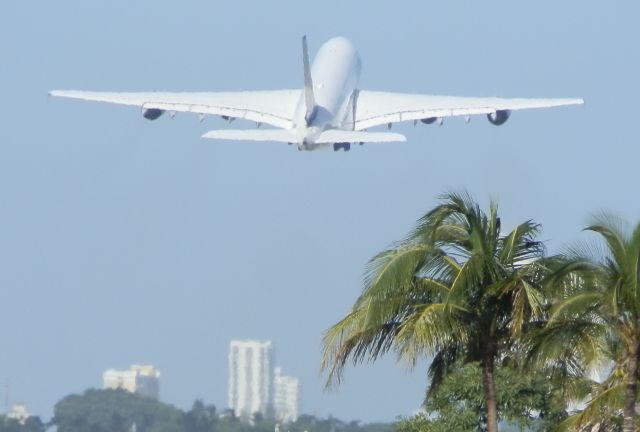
[{"x": 330, "y": 111}]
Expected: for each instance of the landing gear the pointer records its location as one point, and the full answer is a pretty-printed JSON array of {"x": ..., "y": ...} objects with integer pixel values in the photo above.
[{"x": 343, "y": 145}]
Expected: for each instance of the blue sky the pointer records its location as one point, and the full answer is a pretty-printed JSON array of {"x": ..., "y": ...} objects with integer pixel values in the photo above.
[{"x": 124, "y": 240}]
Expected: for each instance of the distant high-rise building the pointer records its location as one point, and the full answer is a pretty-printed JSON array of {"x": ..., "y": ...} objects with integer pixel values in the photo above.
[
  {"x": 250, "y": 377},
  {"x": 286, "y": 397},
  {"x": 139, "y": 379},
  {"x": 19, "y": 412}
]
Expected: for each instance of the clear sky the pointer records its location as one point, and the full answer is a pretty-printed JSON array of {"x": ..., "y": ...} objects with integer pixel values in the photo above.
[{"x": 124, "y": 240}]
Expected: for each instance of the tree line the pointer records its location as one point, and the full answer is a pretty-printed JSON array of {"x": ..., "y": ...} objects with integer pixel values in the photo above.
[
  {"x": 120, "y": 411},
  {"x": 513, "y": 335}
]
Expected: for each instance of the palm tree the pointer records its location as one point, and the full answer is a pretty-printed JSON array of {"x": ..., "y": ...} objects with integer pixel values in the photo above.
[
  {"x": 455, "y": 289},
  {"x": 596, "y": 320}
]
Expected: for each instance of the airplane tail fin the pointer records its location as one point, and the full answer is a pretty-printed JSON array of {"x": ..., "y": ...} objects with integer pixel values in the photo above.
[{"x": 309, "y": 98}]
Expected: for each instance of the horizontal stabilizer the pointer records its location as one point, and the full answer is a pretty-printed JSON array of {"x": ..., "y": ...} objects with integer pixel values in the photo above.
[
  {"x": 338, "y": 136},
  {"x": 278, "y": 135}
]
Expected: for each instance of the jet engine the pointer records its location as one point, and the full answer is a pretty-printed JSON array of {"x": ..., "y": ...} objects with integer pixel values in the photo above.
[
  {"x": 342, "y": 145},
  {"x": 499, "y": 117},
  {"x": 152, "y": 113},
  {"x": 429, "y": 120}
]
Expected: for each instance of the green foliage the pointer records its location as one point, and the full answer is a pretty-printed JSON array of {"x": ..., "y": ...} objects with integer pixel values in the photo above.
[
  {"x": 118, "y": 411},
  {"x": 115, "y": 411},
  {"x": 422, "y": 423},
  {"x": 525, "y": 400},
  {"x": 32, "y": 424},
  {"x": 313, "y": 424},
  {"x": 201, "y": 418}
]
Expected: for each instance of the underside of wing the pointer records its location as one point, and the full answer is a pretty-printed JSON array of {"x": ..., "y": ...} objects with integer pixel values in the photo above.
[
  {"x": 274, "y": 107},
  {"x": 376, "y": 108}
]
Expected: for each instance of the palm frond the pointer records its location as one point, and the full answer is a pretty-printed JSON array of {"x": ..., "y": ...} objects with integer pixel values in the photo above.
[
  {"x": 438, "y": 288},
  {"x": 520, "y": 245},
  {"x": 578, "y": 344},
  {"x": 598, "y": 411},
  {"x": 527, "y": 304},
  {"x": 442, "y": 364},
  {"x": 394, "y": 269},
  {"x": 427, "y": 329},
  {"x": 576, "y": 305},
  {"x": 467, "y": 278},
  {"x": 354, "y": 338},
  {"x": 614, "y": 232}
]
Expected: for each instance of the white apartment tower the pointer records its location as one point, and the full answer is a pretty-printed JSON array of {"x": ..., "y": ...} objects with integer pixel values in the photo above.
[
  {"x": 139, "y": 379},
  {"x": 286, "y": 397},
  {"x": 250, "y": 366},
  {"x": 20, "y": 413}
]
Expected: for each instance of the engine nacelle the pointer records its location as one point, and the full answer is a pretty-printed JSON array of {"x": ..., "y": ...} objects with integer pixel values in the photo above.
[
  {"x": 429, "y": 120},
  {"x": 342, "y": 145},
  {"x": 499, "y": 117},
  {"x": 152, "y": 113}
]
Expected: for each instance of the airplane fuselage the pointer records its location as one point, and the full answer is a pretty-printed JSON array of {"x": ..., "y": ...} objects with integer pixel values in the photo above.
[{"x": 336, "y": 72}]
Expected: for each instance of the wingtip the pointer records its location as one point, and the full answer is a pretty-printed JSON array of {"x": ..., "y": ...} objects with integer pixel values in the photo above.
[
  {"x": 57, "y": 93},
  {"x": 397, "y": 137}
]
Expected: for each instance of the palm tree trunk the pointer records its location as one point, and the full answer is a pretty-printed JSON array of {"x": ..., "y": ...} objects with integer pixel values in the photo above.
[
  {"x": 489, "y": 387},
  {"x": 631, "y": 392}
]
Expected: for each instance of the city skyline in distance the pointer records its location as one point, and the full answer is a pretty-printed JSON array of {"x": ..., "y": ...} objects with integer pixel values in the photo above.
[
  {"x": 141, "y": 379},
  {"x": 257, "y": 386}
]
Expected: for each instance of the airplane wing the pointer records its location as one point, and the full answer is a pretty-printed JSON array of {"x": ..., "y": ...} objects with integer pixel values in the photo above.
[
  {"x": 273, "y": 107},
  {"x": 376, "y": 108}
]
